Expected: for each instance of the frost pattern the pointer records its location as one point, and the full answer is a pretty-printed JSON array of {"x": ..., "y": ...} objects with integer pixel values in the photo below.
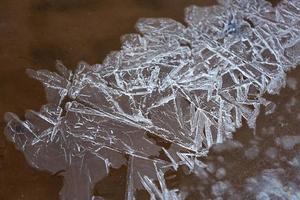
[{"x": 163, "y": 100}]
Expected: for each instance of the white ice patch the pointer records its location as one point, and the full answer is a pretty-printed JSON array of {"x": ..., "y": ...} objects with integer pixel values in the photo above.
[{"x": 162, "y": 101}]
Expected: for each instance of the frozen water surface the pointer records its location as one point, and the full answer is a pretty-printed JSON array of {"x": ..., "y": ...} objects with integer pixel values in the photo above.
[{"x": 164, "y": 99}]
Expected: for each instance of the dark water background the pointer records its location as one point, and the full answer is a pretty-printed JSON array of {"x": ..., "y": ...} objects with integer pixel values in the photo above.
[{"x": 34, "y": 33}]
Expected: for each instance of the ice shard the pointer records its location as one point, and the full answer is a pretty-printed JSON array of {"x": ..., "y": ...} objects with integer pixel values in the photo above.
[{"x": 172, "y": 89}]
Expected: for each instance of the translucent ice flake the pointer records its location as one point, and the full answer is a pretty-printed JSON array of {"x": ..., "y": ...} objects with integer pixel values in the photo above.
[{"x": 163, "y": 100}]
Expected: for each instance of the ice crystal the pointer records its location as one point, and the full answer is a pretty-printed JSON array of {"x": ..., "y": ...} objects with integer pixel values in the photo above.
[{"x": 164, "y": 99}]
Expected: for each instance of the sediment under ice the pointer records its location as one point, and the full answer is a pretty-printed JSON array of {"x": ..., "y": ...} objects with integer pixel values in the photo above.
[{"x": 163, "y": 100}]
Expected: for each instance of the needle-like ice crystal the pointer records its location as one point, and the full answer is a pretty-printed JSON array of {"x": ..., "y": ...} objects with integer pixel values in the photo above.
[{"x": 163, "y": 100}]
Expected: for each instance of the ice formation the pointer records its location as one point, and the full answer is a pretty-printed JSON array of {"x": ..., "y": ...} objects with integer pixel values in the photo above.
[{"x": 163, "y": 100}]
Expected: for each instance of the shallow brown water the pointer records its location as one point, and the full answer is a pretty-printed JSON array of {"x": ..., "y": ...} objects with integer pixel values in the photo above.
[{"x": 34, "y": 33}]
